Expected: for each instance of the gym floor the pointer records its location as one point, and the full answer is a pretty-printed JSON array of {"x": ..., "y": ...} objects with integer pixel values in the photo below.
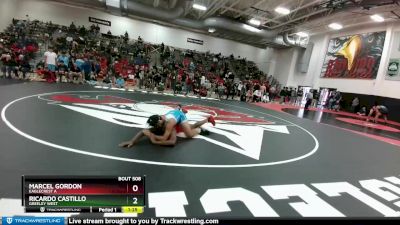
[{"x": 257, "y": 161}]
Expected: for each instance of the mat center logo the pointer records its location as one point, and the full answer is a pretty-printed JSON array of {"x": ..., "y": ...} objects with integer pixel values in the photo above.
[{"x": 244, "y": 131}]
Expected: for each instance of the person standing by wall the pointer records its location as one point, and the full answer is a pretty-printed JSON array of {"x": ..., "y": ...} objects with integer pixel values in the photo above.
[
  {"x": 282, "y": 95},
  {"x": 309, "y": 100},
  {"x": 189, "y": 84},
  {"x": 50, "y": 60},
  {"x": 6, "y": 59},
  {"x": 221, "y": 90},
  {"x": 239, "y": 88},
  {"x": 355, "y": 105},
  {"x": 289, "y": 95},
  {"x": 62, "y": 66},
  {"x": 174, "y": 77},
  {"x": 25, "y": 66},
  {"x": 331, "y": 100},
  {"x": 293, "y": 96},
  {"x": 243, "y": 93},
  {"x": 86, "y": 69},
  {"x": 315, "y": 98},
  {"x": 229, "y": 89},
  {"x": 141, "y": 78},
  {"x": 299, "y": 96},
  {"x": 337, "y": 101},
  {"x": 272, "y": 93},
  {"x": 183, "y": 80},
  {"x": 263, "y": 89}
]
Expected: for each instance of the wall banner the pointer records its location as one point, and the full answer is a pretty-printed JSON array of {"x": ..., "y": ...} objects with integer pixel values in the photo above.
[
  {"x": 195, "y": 41},
  {"x": 355, "y": 56},
  {"x": 100, "y": 21}
]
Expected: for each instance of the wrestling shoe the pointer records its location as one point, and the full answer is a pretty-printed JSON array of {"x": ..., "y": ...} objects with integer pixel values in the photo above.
[
  {"x": 211, "y": 120},
  {"x": 204, "y": 132}
]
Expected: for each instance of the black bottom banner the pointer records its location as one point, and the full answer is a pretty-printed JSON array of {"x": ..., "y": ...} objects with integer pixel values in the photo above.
[{"x": 162, "y": 221}]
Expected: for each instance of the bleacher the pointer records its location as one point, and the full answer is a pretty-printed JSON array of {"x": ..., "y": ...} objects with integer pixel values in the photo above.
[{"x": 121, "y": 55}]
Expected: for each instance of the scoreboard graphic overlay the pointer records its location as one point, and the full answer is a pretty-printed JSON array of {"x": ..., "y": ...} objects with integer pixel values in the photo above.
[{"x": 105, "y": 194}]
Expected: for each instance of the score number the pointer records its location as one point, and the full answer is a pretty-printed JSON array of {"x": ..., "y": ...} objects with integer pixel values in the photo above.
[{"x": 134, "y": 201}]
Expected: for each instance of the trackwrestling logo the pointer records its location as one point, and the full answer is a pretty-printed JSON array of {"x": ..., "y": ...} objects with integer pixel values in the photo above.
[{"x": 245, "y": 132}]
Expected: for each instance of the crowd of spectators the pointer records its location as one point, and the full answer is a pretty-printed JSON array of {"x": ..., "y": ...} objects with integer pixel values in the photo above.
[{"x": 42, "y": 51}]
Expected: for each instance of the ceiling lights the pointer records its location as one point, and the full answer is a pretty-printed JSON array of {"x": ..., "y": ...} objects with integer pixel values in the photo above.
[
  {"x": 336, "y": 26},
  {"x": 377, "y": 18},
  {"x": 199, "y": 7},
  {"x": 302, "y": 34},
  {"x": 250, "y": 28},
  {"x": 255, "y": 22},
  {"x": 282, "y": 10}
]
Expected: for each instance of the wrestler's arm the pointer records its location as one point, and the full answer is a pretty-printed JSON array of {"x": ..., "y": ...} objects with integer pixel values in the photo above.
[{"x": 134, "y": 140}]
